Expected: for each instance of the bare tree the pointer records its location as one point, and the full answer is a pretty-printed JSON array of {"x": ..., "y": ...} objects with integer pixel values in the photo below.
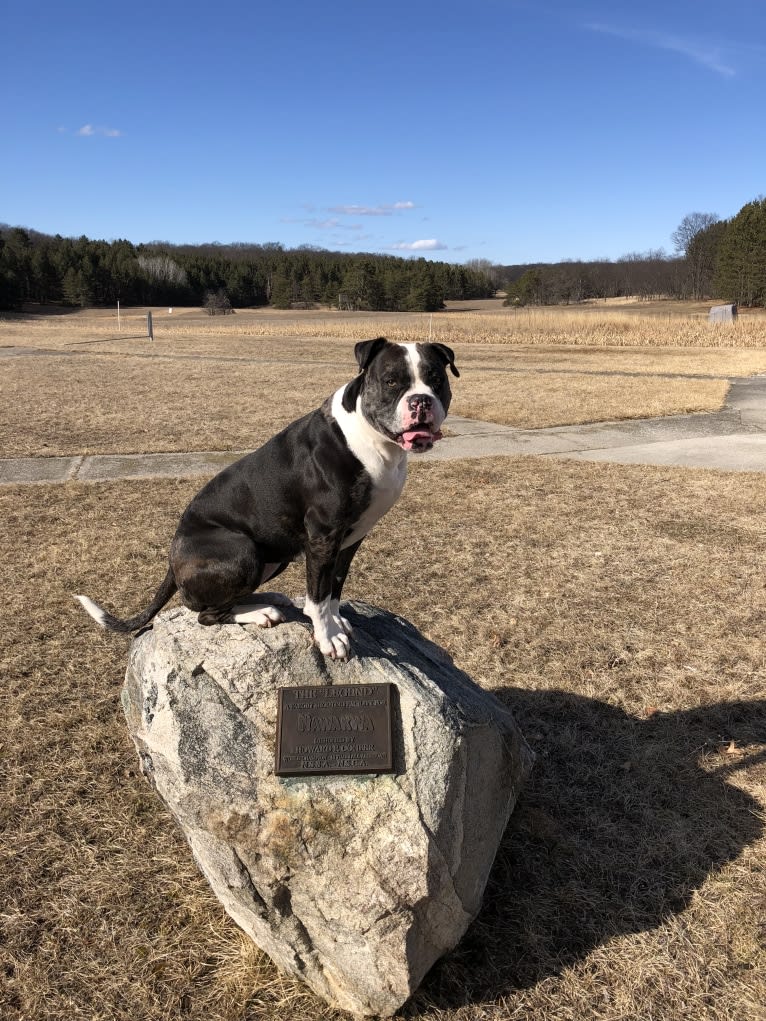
[
  {"x": 688, "y": 238},
  {"x": 489, "y": 269},
  {"x": 162, "y": 268},
  {"x": 689, "y": 228}
]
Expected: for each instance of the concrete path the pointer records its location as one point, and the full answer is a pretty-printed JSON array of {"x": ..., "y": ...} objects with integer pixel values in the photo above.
[{"x": 731, "y": 440}]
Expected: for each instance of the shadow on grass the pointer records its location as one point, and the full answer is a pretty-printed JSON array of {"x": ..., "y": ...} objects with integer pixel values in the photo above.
[{"x": 619, "y": 824}]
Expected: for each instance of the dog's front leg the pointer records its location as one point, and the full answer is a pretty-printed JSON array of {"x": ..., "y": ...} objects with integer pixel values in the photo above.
[
  {"x": 330, "y": 630},
  {"x": 341, "y": 570}
]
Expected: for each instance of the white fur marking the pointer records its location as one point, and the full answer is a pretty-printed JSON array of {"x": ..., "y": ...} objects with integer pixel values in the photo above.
[
  {"x": 340, "y": 621},
  {"x": 329, "y": 633},
  {"x": 377, "y": 452},
  {"x": 384, "y": 461},
  {"x": 95, "y": 611},
  {"x": 419, "y": 386},
  {"x": 414, "y": 358},
  {"x": 263, "y": 616}
]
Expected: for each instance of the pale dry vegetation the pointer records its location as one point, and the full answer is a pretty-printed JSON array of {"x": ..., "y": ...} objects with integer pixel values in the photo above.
[
  {"x": 228, "y": 383},
  {"x": 619, "y": 612},
  {"x": 662, "y": 324},
  {"x": 101, "y": 404}
]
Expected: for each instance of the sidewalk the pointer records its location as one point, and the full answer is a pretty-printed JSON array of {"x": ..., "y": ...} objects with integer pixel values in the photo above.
[{"x": 731, "y": 440}]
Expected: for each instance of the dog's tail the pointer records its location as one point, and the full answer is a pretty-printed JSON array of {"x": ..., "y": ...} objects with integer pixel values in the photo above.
[{"x": 164, "y": 592}]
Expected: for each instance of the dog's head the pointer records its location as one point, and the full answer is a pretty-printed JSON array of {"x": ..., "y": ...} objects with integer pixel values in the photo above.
[{"x": 402, "y": 390}]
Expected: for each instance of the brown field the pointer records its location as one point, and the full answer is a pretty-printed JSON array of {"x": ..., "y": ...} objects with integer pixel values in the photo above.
[
  {"x": 595, "y": 324},
  {"x": 618, "y": 610},
  {"x": 88, "y": 390},
  {"x": 99, "y": 404}
]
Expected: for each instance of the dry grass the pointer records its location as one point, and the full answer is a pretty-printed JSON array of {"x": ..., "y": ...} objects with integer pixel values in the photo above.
[
  {"x": 535, "y": 401},
  {"x": 666, "y": 324},
  {"x": 618, "y": 610},
  {"x": 98, "y": 404},
  {"x": 210, "y": 384}
]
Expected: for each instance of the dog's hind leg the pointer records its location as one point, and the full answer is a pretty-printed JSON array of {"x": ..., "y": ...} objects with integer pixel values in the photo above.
[
  {"x": 246, "y": 612},
  {"x": 218, "y": 571},
  {"x": 261, "y": 608}
]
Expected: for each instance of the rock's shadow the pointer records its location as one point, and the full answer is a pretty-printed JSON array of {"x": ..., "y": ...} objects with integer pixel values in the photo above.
[{"x": 618, "y": 825}]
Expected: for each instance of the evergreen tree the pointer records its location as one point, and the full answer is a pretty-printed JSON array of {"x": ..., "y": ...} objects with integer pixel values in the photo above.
[
  {"x": 281, "y": 290},
  {"x": 741, "y": 268}
]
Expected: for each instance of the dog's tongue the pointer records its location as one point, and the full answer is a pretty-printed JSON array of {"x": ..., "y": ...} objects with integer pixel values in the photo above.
[{"x": 419, "y": 439}]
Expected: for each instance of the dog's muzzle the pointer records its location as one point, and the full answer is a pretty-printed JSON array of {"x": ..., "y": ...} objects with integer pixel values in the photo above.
[{"x": 421, "y": 423}]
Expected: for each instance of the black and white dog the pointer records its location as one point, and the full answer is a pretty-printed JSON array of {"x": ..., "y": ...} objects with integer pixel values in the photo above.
[{"x": 314, "y": 490}]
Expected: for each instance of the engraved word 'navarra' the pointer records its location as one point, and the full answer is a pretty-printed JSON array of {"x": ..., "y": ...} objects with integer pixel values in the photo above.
[{"x": 308, "y": 723}]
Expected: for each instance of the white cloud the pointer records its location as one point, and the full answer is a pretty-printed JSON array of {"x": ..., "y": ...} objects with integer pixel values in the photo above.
[
  {"x": 88, "y": 130},
  {"x": 426, "y": 245},
  {"x": 383, "y": 210},
  {"x": 700, "y": 52},
  {"x": 331, "y": 225}
]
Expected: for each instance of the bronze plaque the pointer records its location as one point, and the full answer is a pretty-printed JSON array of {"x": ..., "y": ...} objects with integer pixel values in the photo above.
[{"x": 329, "y": 729}]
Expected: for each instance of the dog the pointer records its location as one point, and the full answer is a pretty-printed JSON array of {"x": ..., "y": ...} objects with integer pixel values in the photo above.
[{"x": 314, "y": 490}]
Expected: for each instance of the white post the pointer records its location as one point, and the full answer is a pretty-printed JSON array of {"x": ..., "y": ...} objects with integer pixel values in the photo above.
[
  {"x": 430, "y": 325},
  {"x": 149, "y": 327},
  {"x": 119, "y": 323}
]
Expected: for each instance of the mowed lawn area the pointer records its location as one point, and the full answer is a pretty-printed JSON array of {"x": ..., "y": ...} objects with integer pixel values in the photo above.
[{"x": 618, "y": 610}]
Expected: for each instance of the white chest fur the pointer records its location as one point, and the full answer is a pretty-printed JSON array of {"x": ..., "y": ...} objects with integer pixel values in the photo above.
[{"x": 384, "y": 461}]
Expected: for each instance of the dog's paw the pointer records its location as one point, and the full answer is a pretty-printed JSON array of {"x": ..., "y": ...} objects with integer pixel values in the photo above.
[
  {"x": 331, "y": 630},
  {"x": 263, "y": 616},
  {"x": 334, "y": 645},
  {"x": 342, "y": 624}
]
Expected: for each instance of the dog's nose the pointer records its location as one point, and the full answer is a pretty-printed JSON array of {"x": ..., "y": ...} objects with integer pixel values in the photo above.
[{"x": 420, "y": 406}]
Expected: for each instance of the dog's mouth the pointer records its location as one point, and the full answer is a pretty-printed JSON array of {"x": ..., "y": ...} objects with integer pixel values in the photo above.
[{"x": 418, "y": 440}]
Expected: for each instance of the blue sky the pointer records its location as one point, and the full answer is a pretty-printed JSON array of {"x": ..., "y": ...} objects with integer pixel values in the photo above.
[{"x": 501, "y": 130}]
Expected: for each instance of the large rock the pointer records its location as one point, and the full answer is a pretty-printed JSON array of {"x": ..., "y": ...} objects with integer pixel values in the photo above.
[{"x": 355, "y": 884}]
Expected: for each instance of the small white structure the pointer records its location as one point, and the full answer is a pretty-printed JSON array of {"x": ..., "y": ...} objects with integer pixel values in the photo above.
[{"x": 722, "y": 314}]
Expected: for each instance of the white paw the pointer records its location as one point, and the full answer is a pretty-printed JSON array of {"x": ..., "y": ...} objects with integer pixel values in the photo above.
[
  {"x": 342, "y": 624},
  {"x": 335, "y": 644},
  {"x": 263, "y": 616},
  {"x": 331, "y": 631}
]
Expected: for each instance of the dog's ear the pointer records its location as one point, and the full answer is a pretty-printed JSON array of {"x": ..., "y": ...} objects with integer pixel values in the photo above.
[
  {"x": 448, "y": 355},
  {"x": 352, "y": 391},
  {"x": 366, "y": 350}
]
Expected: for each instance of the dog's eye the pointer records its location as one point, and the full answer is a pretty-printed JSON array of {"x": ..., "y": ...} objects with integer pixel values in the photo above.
[{"x": 391, "y": 384}]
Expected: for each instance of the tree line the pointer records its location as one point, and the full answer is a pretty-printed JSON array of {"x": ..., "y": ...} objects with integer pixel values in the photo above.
[
  {"x": 81, "y": 272},
  {"x": 713, "y": 258},
  {"x": 647, "y": 276}
]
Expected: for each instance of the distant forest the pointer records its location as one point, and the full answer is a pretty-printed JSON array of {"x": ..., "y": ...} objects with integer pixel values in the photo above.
[
  {"x": 81, "y": 272},
  {"x": 724, "y": 259},
  {"x": 713, "y": 258}
]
